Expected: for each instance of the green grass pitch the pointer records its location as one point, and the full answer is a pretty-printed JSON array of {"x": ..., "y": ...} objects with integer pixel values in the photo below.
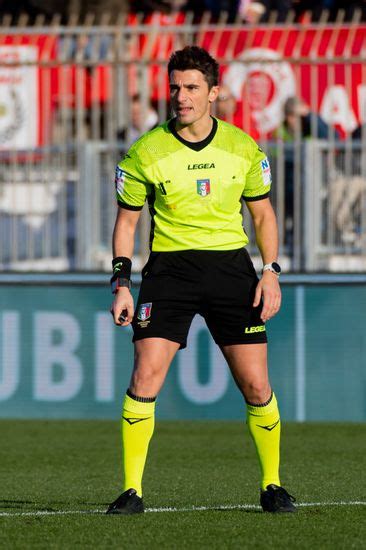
[{"x": 73, "y": 467}]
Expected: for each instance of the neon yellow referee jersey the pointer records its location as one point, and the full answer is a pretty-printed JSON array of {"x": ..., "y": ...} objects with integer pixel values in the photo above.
[{"x": 194, "y": 190}]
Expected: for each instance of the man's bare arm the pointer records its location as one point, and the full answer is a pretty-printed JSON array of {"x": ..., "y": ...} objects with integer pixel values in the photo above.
[
  {"x": 266, "y": 232},
  {"x": 123, "y": 245}
]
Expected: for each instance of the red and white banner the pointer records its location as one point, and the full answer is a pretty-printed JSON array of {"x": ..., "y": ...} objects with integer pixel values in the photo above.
[
  {"x": 322, "y": 65},
  {"x": 27, "y": 89},
  {"x": 19, "y": 92},
  {"x": 264, "y": 66},
  {"x": 263, "y": 87}
]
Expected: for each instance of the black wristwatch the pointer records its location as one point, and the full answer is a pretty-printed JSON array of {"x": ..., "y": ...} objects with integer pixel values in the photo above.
[
  {"x": 119, "y": 282},
  {"x": 274, "y": 267}
]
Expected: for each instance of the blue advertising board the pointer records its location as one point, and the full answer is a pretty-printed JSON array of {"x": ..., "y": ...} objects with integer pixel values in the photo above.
[{"x": 62, "y": 357}]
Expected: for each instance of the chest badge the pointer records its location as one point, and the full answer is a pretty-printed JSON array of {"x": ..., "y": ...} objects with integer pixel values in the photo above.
[{"x": 203, "y": 187}]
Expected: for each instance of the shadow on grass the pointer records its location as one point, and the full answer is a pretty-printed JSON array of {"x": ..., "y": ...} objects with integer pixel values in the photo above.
[
  {"x": 55, "y": 506},
  {"x": 16, "y": 504}
]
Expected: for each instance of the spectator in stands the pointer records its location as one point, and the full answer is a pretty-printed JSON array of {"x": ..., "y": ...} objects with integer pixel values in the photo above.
[
  {"x": 299, "y": 120},
  {"x": 49, "y": 8},
  {"x": 97, "y": 8},
  {"x": 142, "y": 118},
  {"x": 226, "y": 104},
  {"x": 316, "y": 7},
  {"x": 253, "y": 11},
  {"x": 233, "y": 111},
  {"x": 299, "y": 123},
  {"x": 250, "y": 11},
  {"x": 198, "y": 7},
  {"x": 359, "y": 133},
  {"x": 218, "y": 6},
  {"x": 348, "y": 190},
  {"x": 163, "y": 6},
  {"x": 31, "y": 8}
]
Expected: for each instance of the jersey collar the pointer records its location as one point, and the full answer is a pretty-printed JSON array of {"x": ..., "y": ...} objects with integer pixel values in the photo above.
[{"x": 195, "y": 145}]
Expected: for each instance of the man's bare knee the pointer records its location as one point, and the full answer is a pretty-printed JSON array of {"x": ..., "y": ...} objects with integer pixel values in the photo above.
[
  {"x": 256, "y": 391},
  {"x": 145, "y": 377}
]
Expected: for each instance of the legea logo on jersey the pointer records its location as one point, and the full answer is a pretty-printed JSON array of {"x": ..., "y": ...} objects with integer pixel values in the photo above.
[
  {"x": 144, "y": 311},
  {"x": 203, "y": 187},
  {"x": 201, "y": 166}
]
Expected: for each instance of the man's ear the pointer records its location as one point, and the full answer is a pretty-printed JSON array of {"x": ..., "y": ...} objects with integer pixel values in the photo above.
[{"x": 213, "y": 93}]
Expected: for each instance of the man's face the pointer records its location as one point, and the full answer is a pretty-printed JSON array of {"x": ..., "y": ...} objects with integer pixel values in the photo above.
[{"x": 190, "y": 96}]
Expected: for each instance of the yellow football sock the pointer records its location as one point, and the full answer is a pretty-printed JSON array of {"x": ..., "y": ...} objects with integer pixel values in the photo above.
[
  {"x": 265, "y": 428},
  {"x": 137, "y": 426}
]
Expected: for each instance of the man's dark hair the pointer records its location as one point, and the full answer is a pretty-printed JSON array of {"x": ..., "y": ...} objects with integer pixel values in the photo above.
[{"x": 193, "y": 57}]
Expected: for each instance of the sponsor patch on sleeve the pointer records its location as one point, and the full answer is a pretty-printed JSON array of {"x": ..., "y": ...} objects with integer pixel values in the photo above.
[
  {"x": 266, "y": 172},
  {"x": 119, "y": 180}
]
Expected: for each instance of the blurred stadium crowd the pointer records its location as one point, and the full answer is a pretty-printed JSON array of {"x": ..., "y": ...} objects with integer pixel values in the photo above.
[{"x": 251, "y": 11}]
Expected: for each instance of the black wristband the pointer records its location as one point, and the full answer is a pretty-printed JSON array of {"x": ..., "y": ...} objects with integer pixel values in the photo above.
[{"x": 121, "y": 267}]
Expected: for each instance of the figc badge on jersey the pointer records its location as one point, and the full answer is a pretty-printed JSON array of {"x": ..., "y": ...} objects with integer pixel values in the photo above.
[
  {"x": 203, "y": 187},
  {"x": 266, "y": 172}
]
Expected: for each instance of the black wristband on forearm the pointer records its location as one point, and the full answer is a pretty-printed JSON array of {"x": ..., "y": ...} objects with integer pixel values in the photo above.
[{"x": 121, "y": 267}]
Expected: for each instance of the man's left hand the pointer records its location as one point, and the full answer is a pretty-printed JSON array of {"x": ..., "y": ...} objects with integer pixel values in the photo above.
[{"x": 268, "y": 289}]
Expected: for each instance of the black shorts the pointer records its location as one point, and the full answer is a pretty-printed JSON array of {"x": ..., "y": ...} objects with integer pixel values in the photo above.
[{"x": 219, "y": 285}]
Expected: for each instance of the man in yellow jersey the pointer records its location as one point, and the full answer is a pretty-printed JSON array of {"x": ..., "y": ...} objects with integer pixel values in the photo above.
[{"x": 194, "y": 171}]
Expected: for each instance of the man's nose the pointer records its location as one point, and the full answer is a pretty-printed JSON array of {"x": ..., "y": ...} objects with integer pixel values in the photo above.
[{"x": 181, "y": 95}]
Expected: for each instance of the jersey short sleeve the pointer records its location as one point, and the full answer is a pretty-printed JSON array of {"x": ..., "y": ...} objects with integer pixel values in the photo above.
[
  {"x": 258, "y": 180},
  {"x": 131, "y": 182}
]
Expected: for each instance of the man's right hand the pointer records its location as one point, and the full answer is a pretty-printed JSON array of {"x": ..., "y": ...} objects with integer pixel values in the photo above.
[{"x": 122, "y": 305}]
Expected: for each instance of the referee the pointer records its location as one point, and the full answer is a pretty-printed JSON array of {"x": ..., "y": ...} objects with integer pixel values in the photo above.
[{"x": 194, "y": 170}]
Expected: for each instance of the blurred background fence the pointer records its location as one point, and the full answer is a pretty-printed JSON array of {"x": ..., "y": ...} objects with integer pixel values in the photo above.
[{"x": 74, "y": 96}]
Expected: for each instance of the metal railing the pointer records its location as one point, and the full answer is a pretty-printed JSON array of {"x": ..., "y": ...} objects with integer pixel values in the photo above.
[
  {"x": 66, "y": 113},
  {"x": 335, "y": 207}
]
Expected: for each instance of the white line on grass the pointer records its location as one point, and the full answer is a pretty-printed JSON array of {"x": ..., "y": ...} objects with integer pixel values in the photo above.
[{"x": 171, "y": 509}]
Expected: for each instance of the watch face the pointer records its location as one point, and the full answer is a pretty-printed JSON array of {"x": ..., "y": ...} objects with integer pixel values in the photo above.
[{"x": 276, "y": 267}]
